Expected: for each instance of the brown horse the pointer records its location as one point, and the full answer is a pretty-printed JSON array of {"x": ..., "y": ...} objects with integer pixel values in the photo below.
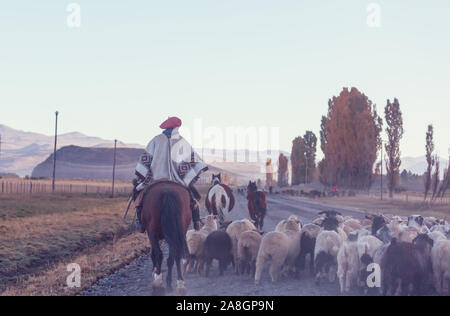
[
  {"x": 166, "y": 215},
  {"x": 257, "y": 205}
]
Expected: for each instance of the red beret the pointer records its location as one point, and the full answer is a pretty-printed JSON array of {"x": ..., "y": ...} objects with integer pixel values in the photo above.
[{"x": 171, "y": 122}]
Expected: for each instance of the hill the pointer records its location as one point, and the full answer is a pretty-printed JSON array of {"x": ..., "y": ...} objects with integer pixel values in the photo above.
[
  {"x": 21, "y": 151},
  {"x": 419, "y": 164},
  {"x": 74, "y": 162},
  {"x": 89, "y": 163}
]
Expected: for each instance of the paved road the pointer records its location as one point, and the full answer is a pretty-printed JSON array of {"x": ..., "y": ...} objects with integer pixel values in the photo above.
[{"x": 135, "y": 279}]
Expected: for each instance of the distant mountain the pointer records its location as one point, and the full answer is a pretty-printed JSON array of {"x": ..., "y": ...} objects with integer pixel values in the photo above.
[
  {"x": 418, "y": 165},
  {"x": 22, "y": 151},
  {"x": 240, "y": 155},
  {"x": 245, "y": 163},
  {"x": 74, "y": 162}
]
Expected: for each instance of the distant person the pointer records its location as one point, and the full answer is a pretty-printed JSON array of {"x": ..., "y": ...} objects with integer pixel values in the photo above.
[
  {"x": 335, "y": 190},
  {"x": 169, "y": 157}
]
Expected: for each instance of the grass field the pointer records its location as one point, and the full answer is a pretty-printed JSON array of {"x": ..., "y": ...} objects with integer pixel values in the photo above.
[
  {"x": 22, "y": 206},
  {"x": 391, "y": 206},
  {"x": 41, "y": 231},
  {"x": 41, "y": 234}
]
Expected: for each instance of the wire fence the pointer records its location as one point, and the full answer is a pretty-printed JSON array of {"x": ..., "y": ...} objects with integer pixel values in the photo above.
[
  {"x": 413, "y": 198},
  {"x": 36, "y": 187},
  {"x": 408, "y": 197}
]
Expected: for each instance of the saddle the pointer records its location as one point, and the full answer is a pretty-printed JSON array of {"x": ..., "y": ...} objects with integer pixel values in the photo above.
[{"x": 195, "y": 195}]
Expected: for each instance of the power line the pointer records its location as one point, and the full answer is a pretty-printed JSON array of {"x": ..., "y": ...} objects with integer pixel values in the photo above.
[{"x": 306, "y": 171}]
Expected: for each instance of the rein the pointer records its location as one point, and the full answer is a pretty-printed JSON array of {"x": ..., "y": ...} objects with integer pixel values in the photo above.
[{"x": 128, "y": 206}]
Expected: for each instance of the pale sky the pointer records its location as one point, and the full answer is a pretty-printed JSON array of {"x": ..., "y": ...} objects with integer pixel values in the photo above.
[{"x": 261, "y": 63}]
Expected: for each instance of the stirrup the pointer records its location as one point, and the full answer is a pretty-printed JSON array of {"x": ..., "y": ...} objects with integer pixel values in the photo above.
[
  {"x": 139, "y": 226},
  {"x": 195, "y": 209}
]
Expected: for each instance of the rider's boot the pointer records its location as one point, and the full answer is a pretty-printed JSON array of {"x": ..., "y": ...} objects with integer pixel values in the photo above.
[
  {"x": 139, "y": 226},
  {"x": 195, "y": 207},
  {"x": 195, "y": 215}
]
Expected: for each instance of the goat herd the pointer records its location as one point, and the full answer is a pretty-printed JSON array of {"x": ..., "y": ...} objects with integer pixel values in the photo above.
[
  {"x": 412, "y": 254},
  {"x": 314, "y": 194}
]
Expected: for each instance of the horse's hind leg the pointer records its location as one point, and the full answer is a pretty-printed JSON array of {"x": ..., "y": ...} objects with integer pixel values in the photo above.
[
  {"x": 253, "y": 216},
  {"x": 181, "y": 290},
  {"x": 187, "y": 267},
  {"x": 261, "y": 221},
  {"x": 157, "y": 257},
  {"x": 258, "y": 223},
  {"x": 221, "y": 216},
  {"x": 170, "y": 262}
]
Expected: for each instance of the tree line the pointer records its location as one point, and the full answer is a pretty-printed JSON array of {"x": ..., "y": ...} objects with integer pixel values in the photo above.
[
  {"x": 434, "y": 186},
  {"x": 350, "y": 139}
]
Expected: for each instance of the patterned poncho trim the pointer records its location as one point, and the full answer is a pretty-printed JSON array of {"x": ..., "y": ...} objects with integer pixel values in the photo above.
[{"x": 170, "y": 157}]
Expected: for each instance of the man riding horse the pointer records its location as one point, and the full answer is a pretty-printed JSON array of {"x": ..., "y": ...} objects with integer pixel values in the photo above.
[{"x": 168, "y": 157}]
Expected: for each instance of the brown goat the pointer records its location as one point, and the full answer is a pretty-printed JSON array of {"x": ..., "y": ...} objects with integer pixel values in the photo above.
[
  {"x": 307, "y": 245},
  {"x": 218, "y": 245},
  {"x": 405, "y": 265}
]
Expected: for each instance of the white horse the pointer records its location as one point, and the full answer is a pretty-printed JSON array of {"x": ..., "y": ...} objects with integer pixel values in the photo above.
[{"x": 219, "y": 199}]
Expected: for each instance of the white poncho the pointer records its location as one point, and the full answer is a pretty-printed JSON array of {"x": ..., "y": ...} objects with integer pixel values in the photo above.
[{"x": 170, "y": 158}]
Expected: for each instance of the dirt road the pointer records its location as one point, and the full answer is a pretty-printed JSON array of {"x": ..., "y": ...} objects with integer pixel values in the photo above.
[{"x": 135, "y": 279}]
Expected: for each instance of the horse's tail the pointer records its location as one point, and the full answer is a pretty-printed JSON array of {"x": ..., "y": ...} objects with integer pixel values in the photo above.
[{"x": 172, "y": 227}]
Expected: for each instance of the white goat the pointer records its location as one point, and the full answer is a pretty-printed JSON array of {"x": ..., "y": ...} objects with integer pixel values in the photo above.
[
  {"x": 275, "y": 248},
  {"x": 327, "y": 247},
  {"x": 348, "y": 265},
  {"x": 440, "y": 258},
  {"x": 235, "y": 229}
]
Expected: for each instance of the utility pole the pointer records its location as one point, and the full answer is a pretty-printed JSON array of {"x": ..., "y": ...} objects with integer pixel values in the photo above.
[
  {"x": 306, "y": 174},
  {"x": 381, "y": 171},
  {"x": 114, "y": 167},
  {"x": 54, "y": 152}
]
